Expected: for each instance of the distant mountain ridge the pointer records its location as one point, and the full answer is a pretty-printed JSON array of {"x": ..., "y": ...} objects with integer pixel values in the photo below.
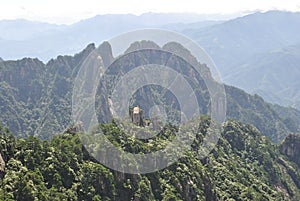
[
  {"x": 258, "y": 53},
  {"x": 238, "y": 39},
  {"x": 273, "y": 75},
  {"x": 23, "y": 38},
  {"x": 20, "y": 29}
]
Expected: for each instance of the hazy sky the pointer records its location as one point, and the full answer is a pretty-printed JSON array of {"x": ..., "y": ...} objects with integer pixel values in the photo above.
[{"x": 69, "y": 11}]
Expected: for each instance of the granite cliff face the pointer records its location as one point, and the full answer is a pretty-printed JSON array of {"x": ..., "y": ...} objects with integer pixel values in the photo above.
[
  {"x": 2, "y": 167},
  {"x": 291, "y": 148}
]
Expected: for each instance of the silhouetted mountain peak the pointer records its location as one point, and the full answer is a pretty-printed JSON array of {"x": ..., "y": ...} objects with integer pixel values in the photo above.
[
  {"x": 29, "y": 63},
  {"x": 106, "y": 53},
  {"x": 73, "y": 61},
  {"x": 144, "y": 44},
  {"x": 178, "y": 49},
  {"x": 181, "y": 51}
]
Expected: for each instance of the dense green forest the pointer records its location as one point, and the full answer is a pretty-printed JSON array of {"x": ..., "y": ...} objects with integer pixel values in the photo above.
[{"x": 243, "y": 166}]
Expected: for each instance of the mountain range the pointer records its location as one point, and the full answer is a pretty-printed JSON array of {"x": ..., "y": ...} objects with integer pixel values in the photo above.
[
  {"x": 23, "y": 38},
  {"x": 274, "y": 75},
  {"x": 238, "y": 46},
  {"x": 36, "y": 98},
  {"x": 258, "y": 53}
]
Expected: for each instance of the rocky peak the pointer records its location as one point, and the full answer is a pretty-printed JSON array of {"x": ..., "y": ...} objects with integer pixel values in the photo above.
[
  {"x": 16, "y": 73},
  {"x": 73, "y": 59},
  {"x": 178, "y": 49},
  {"x": 106, "y": 53},
  {"x": 181, "y": 51},
  {"x": 144, "y": 44}
]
